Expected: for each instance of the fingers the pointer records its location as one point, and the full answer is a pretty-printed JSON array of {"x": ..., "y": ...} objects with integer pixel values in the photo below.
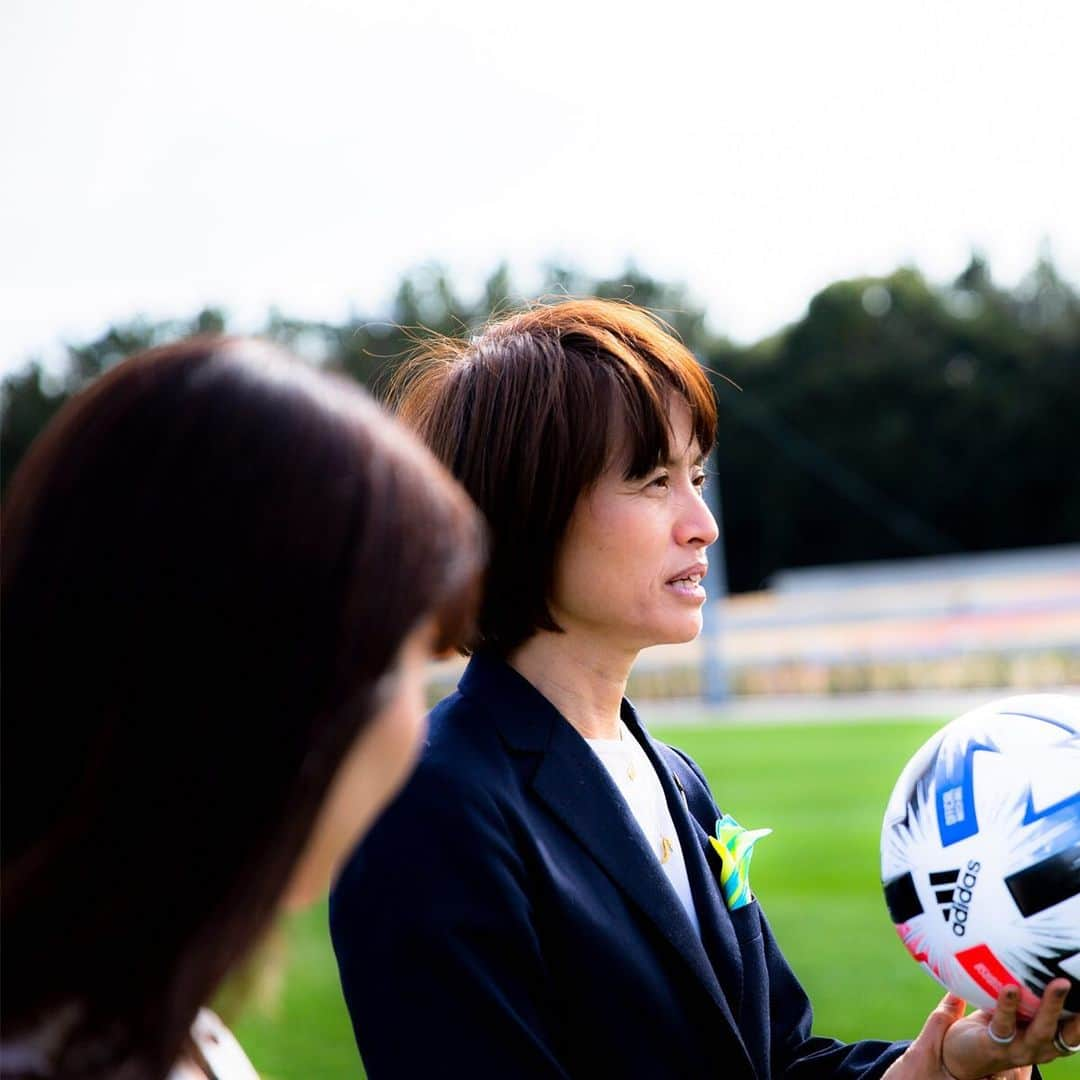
[
  {"x": 1002, "y": 1026},
  {"x": 948, "y": 1011},
  {"x": 991, "y": 1042},
  {"x": 1043, "y": 1026},
  {"x": 952, "y": 1006},
  {"x": 923, "y": 1057},
  {"x": 1070, "y": 1030}
]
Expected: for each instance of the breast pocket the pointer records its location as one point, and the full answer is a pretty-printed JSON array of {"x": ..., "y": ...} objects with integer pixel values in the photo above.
[{"x": 746, "y": 922}]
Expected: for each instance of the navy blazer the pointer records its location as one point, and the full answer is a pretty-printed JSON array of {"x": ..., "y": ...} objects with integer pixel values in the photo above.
[{"x": 506, "y": 918}]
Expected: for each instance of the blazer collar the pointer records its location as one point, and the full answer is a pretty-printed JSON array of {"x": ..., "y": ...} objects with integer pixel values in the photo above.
[
  {"x": 522, "y": 714},
  {"x": 578, "y": 790}
]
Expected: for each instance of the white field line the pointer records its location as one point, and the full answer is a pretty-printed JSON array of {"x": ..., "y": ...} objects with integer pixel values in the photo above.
[{"x": 798, "y": 709}]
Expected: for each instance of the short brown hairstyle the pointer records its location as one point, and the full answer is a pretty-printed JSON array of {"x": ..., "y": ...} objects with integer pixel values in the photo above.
[{"x": 529, "y": 414}]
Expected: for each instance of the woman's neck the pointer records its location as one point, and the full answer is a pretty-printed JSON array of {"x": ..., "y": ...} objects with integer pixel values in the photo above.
[{"x": 583, "y": 680}]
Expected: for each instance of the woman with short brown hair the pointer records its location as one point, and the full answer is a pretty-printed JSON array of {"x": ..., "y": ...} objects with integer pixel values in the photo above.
[{"x": 544, "y": 899}]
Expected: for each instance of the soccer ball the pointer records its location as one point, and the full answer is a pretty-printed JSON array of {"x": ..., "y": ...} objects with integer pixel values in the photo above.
[{"x": 980, "y": 851}]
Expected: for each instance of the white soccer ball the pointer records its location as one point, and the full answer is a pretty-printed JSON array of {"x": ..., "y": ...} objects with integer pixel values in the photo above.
[{"x": 980, "y": 851}]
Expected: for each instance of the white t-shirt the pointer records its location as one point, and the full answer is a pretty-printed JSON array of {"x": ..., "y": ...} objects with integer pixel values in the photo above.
[
  {"x": 636, "y": 779},
  {"x": 222, "y": 1054}
]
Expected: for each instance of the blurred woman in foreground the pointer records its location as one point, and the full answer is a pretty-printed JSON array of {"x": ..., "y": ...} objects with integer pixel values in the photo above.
[
  {"x": 223, "y": 575},
  {"x": 545, "y": 899}
]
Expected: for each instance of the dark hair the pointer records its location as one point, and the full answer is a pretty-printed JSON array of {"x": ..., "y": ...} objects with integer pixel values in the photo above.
[
  {"x": 529, "y": 414},
  {"x": 210, "y": 560}
]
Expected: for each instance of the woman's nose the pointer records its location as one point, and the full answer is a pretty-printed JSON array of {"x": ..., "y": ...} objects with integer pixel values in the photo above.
[{"x": 696, "y": 525}]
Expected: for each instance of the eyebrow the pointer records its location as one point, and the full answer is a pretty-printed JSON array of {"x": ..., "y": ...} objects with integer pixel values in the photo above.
[{"x": 672, "y": 462}]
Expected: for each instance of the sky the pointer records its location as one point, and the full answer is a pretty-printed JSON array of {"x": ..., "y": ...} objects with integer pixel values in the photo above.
[{"x": 157, "y": 157}]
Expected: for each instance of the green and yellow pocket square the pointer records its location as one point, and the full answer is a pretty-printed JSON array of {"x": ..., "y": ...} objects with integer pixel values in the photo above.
[{"x": 735, "y": 846}]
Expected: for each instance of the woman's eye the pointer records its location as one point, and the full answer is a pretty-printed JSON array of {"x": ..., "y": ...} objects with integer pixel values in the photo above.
[
  {"x": 699, "y": 480},
  {"x": 660, "y": 481}
]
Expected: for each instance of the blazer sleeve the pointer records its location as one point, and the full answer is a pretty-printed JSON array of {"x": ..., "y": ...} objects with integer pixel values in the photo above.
[
  {"x": 798, "y": 1054},
  {"x": 439, "y": 959}
]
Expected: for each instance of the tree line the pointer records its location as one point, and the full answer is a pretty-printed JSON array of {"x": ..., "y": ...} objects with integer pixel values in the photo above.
[{"x": 895, "y": 418}]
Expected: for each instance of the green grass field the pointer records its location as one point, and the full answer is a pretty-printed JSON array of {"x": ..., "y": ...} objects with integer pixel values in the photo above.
[{"x": 821, "y": 787}]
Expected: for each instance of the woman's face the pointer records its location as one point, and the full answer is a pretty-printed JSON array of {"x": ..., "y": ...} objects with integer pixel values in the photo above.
[
  {"x": 371, "y": 774},
  {"x": 631, "y": 566}
]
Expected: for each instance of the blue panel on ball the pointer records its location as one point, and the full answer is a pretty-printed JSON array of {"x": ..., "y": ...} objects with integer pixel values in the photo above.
[
  {"x": 954, "y": 793},
  {"x": 1045, "y": 720},
  {"x": 1031, "y": 814}
]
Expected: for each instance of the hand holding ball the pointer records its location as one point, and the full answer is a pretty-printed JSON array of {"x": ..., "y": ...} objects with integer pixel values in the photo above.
[{"x": 980, "y": 852}]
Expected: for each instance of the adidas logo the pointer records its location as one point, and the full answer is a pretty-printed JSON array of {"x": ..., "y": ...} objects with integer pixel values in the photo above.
[
  {"x": 944, "y": 897},
  {"x": 953, "y": 892}
]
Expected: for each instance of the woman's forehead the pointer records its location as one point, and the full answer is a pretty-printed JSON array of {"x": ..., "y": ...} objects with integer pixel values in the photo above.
[
  {"x": 673, "y": 442},
  {"x": 683, "y": 442}
]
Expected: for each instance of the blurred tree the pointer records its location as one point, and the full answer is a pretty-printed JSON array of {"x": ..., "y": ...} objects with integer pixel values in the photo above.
[
  {"x": 898, "y": 420},
  {"x": 669, "y": 300},
  {"x": 29, "y": 398},
  {"x": 895, "y": 418},
  {"x": 26, "y": 406}
]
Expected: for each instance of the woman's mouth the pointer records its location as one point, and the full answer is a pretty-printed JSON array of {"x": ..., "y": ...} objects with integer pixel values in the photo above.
[{"x": 687, "y": 583}]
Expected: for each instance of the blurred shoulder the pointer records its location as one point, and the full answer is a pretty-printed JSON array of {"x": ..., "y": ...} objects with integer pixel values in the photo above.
[
  {"x": 456, "y": 802},
  {"x": 463, "y": 770}
]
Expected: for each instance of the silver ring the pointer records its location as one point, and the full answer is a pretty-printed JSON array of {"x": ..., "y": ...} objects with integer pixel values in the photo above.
[
  {"x": 1060, "y": 1045},
  {"x": 1001, "y": 1040}
]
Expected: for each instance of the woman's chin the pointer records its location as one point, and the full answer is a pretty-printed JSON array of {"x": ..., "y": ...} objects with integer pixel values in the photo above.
[
  {"x": 678, "y": 633},
  {"x": 689, "y": 635}
]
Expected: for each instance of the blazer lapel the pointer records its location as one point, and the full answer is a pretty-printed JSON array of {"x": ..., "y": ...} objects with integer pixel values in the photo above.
[
  {"x": 717, "y": 932},
  {"x": 717, "y": 929},
  {"x": 577, "y": 789}
]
